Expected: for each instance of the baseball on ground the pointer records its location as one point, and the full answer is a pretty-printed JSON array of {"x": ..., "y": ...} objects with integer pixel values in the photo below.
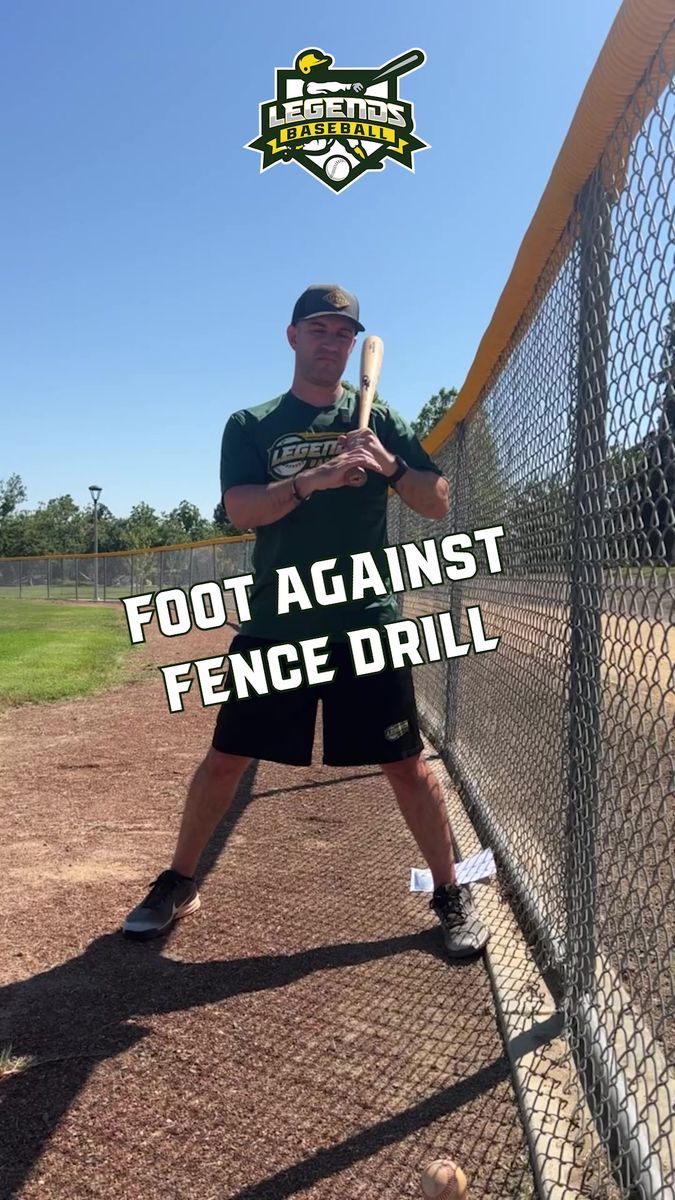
[{"x": 444, "y": 1180}]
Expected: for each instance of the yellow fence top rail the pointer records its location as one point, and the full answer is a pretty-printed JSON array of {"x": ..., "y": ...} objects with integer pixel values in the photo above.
[{"x": 32, "y": 558}]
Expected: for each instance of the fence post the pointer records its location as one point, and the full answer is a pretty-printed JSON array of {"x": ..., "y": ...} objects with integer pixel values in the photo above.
[
  {"x": 49, "y": 574},
  {"x": 459, "y": 522},
  {"x": 77, "y": 578},
  {"x": 20, "y": 577},
  {"x": 214, "y": 559},
  {"x": 586, "y": 582},
  {"x": 588, "y": 561}
]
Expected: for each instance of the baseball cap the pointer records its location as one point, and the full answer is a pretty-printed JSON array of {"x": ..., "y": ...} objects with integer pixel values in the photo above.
[{"x": 322, "y": 299}]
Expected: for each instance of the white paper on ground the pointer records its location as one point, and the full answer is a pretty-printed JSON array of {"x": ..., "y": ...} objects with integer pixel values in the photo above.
[{"x": 477, "y": 869}]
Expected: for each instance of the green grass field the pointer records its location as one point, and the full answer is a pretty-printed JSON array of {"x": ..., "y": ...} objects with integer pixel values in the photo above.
[{"x": 51, "y": 651}]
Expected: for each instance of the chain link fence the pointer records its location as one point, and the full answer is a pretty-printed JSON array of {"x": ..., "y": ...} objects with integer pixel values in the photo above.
[
  {"x": 110, "y": 576},
  {"x": 562, "y": 741}
]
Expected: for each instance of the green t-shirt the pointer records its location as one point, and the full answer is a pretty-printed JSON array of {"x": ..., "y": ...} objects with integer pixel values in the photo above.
[{"x": 276, "y": 441}]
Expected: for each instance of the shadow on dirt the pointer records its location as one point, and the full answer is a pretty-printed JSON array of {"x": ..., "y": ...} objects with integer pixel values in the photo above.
[{"x": 87, "y": 1009}]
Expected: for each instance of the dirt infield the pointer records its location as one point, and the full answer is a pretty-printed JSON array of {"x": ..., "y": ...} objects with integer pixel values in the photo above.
[{"x": 302, "y": 1035}]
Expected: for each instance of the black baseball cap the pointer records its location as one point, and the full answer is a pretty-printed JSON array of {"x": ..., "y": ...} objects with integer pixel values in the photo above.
[{"x": 322, "y": 299}]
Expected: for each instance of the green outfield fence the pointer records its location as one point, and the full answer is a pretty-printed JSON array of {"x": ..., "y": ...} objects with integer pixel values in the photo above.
[{"x": 561, "y": 742}]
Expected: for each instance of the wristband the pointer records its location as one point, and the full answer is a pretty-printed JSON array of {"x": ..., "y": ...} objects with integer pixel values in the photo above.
[
  {"x": 401, "y": 468},
  {"x": 298, "y": 497}
]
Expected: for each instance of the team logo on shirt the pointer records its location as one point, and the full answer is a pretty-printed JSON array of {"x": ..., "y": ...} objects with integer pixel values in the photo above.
[
  {"x": 295, "y": 451},
  {"x": 339, "y": 124}
]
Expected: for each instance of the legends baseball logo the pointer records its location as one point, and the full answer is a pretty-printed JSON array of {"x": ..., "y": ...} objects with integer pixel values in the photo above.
[
  {"x": 339, "y": 124},
  {"x": 295, "y": 452}
]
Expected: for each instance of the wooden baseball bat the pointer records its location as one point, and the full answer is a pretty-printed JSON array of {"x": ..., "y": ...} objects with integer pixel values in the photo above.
[{"x": 372, "y": 352}]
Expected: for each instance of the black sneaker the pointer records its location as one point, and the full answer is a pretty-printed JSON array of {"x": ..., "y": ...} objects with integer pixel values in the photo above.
[
  {"x": 463, "y": 931},
  {"x": 170, "y": 896}
]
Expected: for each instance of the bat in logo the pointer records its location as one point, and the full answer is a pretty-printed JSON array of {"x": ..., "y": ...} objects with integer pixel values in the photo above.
[{"x": 396, "y": 66}]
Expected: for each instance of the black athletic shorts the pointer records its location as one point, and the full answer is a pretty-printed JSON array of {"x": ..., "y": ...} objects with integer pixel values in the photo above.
[{"x": 367, "y": 719}]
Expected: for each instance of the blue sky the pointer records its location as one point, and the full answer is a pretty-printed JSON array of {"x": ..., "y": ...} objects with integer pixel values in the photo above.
[{"x": 150, "y": 269}]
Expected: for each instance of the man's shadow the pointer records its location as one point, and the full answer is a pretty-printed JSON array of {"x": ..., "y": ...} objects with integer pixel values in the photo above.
[{"x": 79, "y": 1012}]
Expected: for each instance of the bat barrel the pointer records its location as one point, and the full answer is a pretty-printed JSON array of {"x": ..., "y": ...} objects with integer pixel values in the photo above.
[{"x": 400, "y": 65}]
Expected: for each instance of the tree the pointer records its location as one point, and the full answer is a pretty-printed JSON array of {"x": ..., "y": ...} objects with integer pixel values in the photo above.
[
  {"x": 12, "y": 493},
  {"x": 432, "y": 411},
  {"x": 224, "y": 526},
  {"x": 60, "y": 526},
  {"x": 185, "y": 523},
  {"x": 484, "y": 485},
  {"x": 486, "y": 478},
  {"x": 57, "y": 527},
  {"x": 111, "y": 529},
  {"x": 640, "y": 479},
  {"x": 537, "y": 524},
  {"x": 142, "y": 527},
  {"x": 13, "y": 537}
]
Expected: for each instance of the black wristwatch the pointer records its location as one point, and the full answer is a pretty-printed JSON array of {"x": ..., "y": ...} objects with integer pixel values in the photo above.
[{"x": 401, "y": 468}]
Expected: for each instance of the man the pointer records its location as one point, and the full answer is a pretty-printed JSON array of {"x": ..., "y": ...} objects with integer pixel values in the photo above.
[{"x": 283, "y": 471}]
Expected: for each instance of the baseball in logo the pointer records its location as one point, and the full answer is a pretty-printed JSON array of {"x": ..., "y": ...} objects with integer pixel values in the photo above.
[
  {"x": 339, "y": 124},
  {"x": 293, "y": 452}
]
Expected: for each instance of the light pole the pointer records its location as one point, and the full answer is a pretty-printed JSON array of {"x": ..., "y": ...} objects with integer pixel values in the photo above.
[{"x": 95, "y": 493}]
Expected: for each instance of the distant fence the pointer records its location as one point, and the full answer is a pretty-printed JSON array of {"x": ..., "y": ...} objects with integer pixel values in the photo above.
[{"x": 123, "y": 572}]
